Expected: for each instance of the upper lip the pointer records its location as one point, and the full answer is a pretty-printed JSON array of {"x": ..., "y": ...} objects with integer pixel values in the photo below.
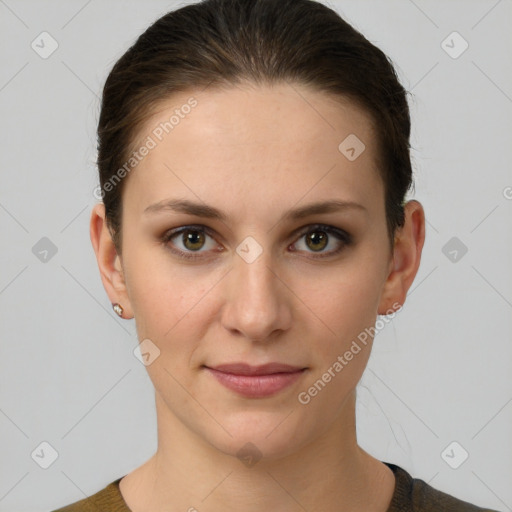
[{"x": 247, "y": 369}]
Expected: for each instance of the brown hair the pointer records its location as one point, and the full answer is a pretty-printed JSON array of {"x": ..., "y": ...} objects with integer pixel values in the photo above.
[{"x": 224, "y": 42}]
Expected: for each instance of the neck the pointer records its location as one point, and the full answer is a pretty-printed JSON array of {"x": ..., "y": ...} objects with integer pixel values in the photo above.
[{"x": 187, "y": 473}]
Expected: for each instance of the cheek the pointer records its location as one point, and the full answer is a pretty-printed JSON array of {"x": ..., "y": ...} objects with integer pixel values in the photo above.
[
  {"x": 167, "y": 298},
  {"x": 341, "y": 345},
  {"x": 344, "y": 303}
]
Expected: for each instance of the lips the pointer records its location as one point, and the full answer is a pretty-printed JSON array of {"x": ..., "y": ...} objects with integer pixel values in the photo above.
[
  {"x": 256, "y": 381},
  {"x": 264, "y": 369}
]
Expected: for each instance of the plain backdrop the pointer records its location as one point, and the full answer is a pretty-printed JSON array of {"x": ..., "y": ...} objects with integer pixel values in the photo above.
[{"x": 438, "y": 387}]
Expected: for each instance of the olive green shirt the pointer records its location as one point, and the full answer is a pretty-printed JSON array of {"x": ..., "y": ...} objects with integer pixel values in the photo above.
[{"x": 410, "y": 495}]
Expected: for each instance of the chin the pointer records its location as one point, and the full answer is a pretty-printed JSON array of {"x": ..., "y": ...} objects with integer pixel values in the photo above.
[{"x": 260, "y": 436}]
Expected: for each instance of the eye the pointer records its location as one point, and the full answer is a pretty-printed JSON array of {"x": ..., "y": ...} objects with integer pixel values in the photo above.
[
  {"x": 316, "y": 238},
  {"x": 189, "y": 240}
]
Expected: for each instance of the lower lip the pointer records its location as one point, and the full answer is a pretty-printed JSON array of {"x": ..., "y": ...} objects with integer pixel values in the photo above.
[{"x": 256, "y": 386}]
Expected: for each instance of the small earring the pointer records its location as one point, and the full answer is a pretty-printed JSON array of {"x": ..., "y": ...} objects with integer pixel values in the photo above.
[{"x": 118, "y": 309}]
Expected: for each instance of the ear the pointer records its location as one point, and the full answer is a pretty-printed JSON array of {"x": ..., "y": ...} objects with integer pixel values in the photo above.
[
  {"x": 409, "y": 240},
  {"x": 109, "y": 262}
]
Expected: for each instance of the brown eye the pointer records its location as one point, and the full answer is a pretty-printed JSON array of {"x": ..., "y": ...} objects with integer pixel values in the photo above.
[
  {"x": 317, "y": 240},
  {"x": 319, "y": 237},
  {"x": 190, "y": 242},
  {"x": 193, "y": 240}
]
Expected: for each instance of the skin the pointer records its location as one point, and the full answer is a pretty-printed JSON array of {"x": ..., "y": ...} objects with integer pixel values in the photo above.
[{"x": 255, "y": 152}]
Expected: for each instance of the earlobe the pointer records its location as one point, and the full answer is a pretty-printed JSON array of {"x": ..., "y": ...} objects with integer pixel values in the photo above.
[
  {"x": 406, "y": 259},
  {"x": 109, "y": 262}
]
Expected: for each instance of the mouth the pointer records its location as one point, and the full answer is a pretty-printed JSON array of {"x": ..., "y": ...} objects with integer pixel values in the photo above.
[{"x": 256, "y": 381}]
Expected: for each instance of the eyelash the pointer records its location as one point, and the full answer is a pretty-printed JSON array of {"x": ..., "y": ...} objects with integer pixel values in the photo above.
[{"x": 344, "y": 237}]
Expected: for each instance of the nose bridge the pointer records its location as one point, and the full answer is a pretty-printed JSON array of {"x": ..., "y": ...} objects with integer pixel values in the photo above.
[
  {"x": 257, "y": 303},
  {"x": 256, "y": 278}
]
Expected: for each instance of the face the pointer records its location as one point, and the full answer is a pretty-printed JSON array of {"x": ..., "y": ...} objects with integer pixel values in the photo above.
[{"x": 252, "y": 274}]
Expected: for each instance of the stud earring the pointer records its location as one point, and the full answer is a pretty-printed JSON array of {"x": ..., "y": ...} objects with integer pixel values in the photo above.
[{"x": 118, "y": 309}]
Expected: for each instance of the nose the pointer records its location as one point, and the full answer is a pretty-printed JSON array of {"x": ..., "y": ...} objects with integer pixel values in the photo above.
[{"x": 258, "y": 303}]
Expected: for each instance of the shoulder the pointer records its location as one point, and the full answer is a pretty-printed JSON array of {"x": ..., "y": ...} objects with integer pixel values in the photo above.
[
  {"x": 415, "y": 495},
  {"x": 109, "y": 498}
]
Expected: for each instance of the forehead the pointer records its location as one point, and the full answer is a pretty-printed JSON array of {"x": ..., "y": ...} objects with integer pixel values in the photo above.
[
  {"x": 260, "y": 114},
  {"x": 256, "y": 142}
]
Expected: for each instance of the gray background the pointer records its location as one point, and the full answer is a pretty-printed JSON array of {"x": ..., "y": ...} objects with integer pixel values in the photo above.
[{"x": 440, "y": 371}]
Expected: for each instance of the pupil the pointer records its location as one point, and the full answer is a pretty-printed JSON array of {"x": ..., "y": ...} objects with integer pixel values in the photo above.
[
  {"x": 317, "y": 237},
  {"x": 193, "y": 237}
]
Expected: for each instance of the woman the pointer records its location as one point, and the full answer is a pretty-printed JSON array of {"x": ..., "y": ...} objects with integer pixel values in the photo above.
[{"x": 254, "y": 162}]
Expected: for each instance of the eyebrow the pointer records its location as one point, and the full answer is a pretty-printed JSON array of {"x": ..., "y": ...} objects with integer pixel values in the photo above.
[{"x": 209, "y": 212}]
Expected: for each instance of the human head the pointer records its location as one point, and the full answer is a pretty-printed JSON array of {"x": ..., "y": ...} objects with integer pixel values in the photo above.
[{"x": 239, "y": 62}]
